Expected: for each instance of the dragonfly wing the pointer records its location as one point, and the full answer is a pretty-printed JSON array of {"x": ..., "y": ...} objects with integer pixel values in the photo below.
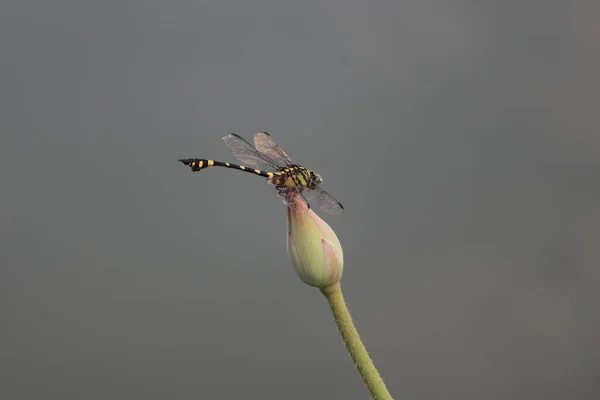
[
  {"x": 266, "y": 145},
  {"x": 248, "y": 154},
  {"x": 267, "y": 155},
  {"x": 317, "y": 197}
]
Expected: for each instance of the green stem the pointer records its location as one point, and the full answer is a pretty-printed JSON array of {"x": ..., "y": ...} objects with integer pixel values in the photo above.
[{"x": 355, "y": 347}]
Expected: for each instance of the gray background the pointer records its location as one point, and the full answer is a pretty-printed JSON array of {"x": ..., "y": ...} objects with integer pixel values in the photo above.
[{"x": 462, "y": 138}]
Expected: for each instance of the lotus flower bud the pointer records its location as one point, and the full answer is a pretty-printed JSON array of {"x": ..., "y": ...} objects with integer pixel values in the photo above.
[{"x": 314, "y": 249}]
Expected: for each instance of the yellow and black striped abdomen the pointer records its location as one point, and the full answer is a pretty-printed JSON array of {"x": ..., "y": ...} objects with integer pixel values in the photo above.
[
  {"x": 293, "y": 176},
  {"x": 197, "y": 164}
]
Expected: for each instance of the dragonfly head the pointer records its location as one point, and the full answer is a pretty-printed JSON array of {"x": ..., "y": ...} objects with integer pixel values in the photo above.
[{"x": 315, "y": 178}]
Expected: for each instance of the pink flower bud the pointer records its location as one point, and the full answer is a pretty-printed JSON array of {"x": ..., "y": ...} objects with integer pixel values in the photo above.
[{"x": 313, "y": 248}]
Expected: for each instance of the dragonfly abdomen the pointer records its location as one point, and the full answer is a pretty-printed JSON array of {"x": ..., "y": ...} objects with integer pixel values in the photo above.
[{"x": 197, "y": 164}]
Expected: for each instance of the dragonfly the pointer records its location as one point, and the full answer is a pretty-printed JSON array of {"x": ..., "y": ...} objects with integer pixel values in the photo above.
[{"x": 265, "y": 158}]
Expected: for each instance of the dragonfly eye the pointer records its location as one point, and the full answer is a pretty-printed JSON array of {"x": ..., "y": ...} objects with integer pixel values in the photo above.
[{"x": 316, "y": 177}]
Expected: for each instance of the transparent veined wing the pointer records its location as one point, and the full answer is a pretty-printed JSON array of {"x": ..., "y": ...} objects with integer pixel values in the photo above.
[
  {"x": 268, "y": 156},
  {"x": 317, "y": 197},
  {"x": 265, "y": 144},
  {"x": 248, "y": 154}
]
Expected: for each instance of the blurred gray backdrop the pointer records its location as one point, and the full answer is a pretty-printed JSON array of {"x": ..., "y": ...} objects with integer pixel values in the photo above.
[{"x": 462, "y": 138}]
